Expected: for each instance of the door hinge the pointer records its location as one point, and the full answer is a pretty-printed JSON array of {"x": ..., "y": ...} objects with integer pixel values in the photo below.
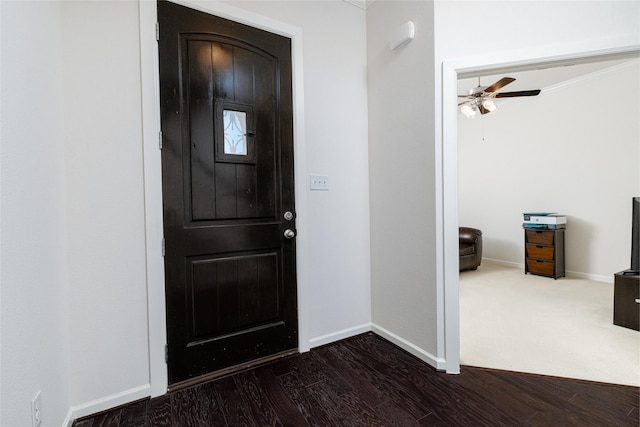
[
  {"x": 160, "y": 139},
  {"x": 157, "y": 31},
  {"x": 164, "y": 246},
  {"x": 166, "y": 353}
]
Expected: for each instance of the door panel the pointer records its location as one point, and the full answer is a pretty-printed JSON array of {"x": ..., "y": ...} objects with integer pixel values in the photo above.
[
  {"x": 227, "y": 163},
  {"x": 240, "y": 187},
  {"x": 232, "y": 292}
]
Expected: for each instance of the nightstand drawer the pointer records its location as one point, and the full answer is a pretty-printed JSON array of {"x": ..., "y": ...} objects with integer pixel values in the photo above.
[
  {"x": 545, "y": 268},
  {"x": 540, "y": 237},
  {"x": 540, "y": 252}
]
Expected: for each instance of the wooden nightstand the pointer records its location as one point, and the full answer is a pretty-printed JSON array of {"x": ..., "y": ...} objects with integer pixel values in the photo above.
[{"x": 544, "y": 252}]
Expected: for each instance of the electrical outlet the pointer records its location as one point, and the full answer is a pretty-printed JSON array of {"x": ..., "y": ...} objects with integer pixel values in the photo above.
[{"x": 36, "y": 410}]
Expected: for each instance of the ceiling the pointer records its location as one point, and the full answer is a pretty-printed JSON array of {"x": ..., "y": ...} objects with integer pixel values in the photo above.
[{"x": 543, "y": 77}]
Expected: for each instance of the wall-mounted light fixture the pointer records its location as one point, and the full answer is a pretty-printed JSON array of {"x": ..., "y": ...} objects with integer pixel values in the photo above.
[{"x": 402, "y": 35}]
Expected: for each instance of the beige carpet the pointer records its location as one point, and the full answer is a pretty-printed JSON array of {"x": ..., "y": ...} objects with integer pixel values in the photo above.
[{"x": 527, "y": 323}]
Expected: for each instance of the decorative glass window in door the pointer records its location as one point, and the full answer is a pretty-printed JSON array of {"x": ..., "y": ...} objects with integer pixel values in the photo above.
[{"x": 235, "y": 132}]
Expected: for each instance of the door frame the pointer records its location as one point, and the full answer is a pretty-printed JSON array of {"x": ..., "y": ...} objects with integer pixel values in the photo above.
[{"x": 150, "y": 95}]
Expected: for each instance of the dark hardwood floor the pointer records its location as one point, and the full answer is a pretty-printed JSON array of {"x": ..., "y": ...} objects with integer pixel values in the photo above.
[{"x": 367, "y": 381}]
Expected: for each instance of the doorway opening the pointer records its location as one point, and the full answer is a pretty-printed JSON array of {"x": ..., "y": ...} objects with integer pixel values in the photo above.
[{"x": 485, "y": 131}]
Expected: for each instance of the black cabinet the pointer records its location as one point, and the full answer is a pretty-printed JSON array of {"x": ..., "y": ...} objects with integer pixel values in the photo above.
[
  {"x": 544, "y": 252},
  {"x": 626, "y": 301}
]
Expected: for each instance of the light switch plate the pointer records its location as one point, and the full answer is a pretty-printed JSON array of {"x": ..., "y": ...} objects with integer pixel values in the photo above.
[{"x": 319, "y": 182}]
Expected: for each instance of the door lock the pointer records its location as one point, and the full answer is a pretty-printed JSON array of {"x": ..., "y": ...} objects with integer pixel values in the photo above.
[{"x": 288, "y": 216}]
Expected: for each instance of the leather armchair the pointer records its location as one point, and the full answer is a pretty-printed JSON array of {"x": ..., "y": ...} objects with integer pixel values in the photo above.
[{"x": 470, "y": 248}]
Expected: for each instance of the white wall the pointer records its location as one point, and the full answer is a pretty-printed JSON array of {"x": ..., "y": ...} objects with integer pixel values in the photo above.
[
  {"x": 335, "y": 119},
  {"x": 402, "y": 180},
  {"x": 105, "y": 192},
  {"x": 74, "y": 322},
  {"x": 567, "y": 151},
  {"x": 530, "y": 29},
  {"x": 34, "y": 289}
]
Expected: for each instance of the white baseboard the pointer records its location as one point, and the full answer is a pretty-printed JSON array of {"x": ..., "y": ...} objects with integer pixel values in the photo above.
[
  {"x": 437, "y": 362},
  {"x": 587, "y": 276},
  {"x": 576, "y": 274},
  {"x": 106, "y": 403},
  {"x": 504, "y": 263},
  {"x": 339, "y": 335}
]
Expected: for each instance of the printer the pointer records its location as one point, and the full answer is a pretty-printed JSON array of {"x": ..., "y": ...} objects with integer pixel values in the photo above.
[{"x": 544, "y": 220}]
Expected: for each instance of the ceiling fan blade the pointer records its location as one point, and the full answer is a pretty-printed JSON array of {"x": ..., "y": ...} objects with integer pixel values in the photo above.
[
  {"x": 519, "y": 93},
  {"x": 499, "y": 84},
  {"x": 483, "y": 110}
]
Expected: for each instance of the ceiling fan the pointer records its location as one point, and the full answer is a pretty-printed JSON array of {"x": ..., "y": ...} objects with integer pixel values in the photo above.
[{"x": 481, "y": 98}]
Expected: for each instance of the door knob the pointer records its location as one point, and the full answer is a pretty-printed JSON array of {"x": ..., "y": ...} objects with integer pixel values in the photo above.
[{"x": 289, "y": 233}]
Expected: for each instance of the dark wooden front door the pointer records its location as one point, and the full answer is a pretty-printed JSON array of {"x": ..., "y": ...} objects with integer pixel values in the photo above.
[{"x": 227, "y": 178}]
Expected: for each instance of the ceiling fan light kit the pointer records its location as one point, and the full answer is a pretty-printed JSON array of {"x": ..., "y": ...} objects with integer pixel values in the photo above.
[
  {"x": 468, "y": 110},
  {"x": 481, "y": 98},
  {"x": 489, "y": 105}
]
